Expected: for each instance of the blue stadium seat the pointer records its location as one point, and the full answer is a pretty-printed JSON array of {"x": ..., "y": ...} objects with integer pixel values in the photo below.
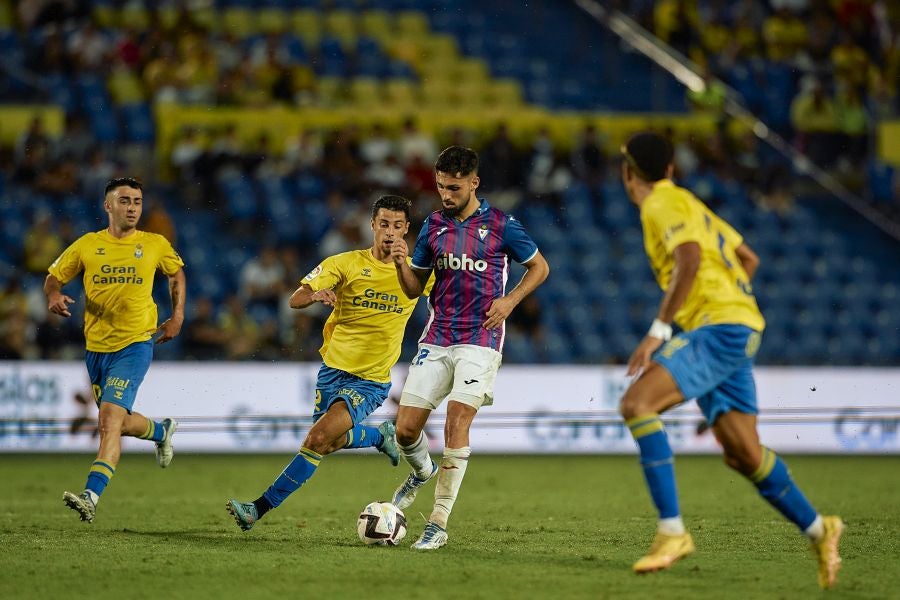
[{"x": 138, "y": 123}]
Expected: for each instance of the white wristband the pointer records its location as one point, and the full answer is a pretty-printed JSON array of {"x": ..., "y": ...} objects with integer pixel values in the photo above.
[{"x": 661, "y": 331}]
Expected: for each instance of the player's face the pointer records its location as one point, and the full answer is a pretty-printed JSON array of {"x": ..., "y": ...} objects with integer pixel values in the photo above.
[
  {"x": 456, "y": 193},
  {"x": 124, "y": 205},
  {"x": 628, "y": 180},
  {"x": 388, "y": 225}
]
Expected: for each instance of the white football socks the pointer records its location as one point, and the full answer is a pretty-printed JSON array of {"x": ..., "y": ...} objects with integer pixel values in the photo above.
[
  {"x": 417, "y": 456},
  {"x": 671, "y": 526},
  {"x": 816, "y": 530},
  {"x": 449, "y": 478}
]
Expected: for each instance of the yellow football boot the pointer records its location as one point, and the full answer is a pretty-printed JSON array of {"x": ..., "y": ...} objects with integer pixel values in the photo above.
[
  {"x": 826, "y": 551},
  {"x": 664, "y": 551}
]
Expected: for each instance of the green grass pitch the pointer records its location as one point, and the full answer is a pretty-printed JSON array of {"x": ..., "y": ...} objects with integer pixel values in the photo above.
[{"x": 523, "y": 527}]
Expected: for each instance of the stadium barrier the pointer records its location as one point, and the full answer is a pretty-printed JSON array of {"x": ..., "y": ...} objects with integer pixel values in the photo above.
[{"x": 266, "y": 407}]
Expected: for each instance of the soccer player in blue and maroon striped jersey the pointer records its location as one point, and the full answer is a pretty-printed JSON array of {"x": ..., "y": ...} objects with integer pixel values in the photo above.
[{"x": 467, "y": 244}]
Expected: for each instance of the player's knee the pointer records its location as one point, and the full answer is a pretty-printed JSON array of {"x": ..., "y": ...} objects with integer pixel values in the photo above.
[
  {"x": 406, "y": 434},
  {"x": 318, "y": 442},
  {"x": 739, "y": 460},
  {"x": 631, "y": 406}
]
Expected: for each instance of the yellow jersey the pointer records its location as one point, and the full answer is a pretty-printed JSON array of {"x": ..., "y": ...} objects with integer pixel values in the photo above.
[
  {"x": 671, "y": 216},
  {"x": 365, "y": 330},
  {"x": 118, "y": 284}
]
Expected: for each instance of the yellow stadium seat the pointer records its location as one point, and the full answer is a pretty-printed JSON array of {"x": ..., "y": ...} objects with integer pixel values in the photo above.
[
  {"x": 241, "y": 22},
  {"x": 440, "y": 47},
  {"x": 307, "y": 24},
  {"x": 365, "y": 92},
  {"x": 401, "y": 93},
  {"x": 104, "y": 15},
  {"x": 376, "y": 24},
  {"x": 134, "y": 15},
  {"x": 470, "y": 69},
  {"x": 272, "y": 20},
  {"x": 331, "y": 92},
  {"x": 504, "y": 93},
  {"x": 208, "y": 17},
  {"x": 439, "y": 93},
  {"x": 125, "y": 87},
  {"x": 411, "y": 23}
]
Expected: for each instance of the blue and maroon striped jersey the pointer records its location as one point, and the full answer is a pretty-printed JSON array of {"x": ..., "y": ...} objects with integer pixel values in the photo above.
[{"x": 470, "y": 260}]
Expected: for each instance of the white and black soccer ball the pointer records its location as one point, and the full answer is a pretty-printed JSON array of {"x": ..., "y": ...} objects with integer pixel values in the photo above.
[{"x": 381, "y": 524}]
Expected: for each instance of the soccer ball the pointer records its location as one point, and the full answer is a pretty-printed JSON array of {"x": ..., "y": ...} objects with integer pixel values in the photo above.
[{"x": 381, "y": 524}]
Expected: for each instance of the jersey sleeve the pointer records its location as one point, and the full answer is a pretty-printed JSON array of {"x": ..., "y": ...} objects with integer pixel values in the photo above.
[
  {"x": 69, "y": 264},
  {"x": 516, "y": 241},
  {"x": 327, "y": 275},
  {"x": 732, "y": 238},
  {"x": 423, "y": 255},
  {"x": 675, "y": 223},
  {"x": 169, "y": 261}
]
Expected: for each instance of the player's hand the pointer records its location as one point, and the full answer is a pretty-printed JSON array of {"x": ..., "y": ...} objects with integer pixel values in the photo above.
[
  {"x": 170, "y": 328},
  {"x": 59, "y": 304},
  {"x": 399, "y": 251},
  {"x": 499, "y": 310},
  {"x": 640, "y": 358},
  {"x": 326, "y": 297}
]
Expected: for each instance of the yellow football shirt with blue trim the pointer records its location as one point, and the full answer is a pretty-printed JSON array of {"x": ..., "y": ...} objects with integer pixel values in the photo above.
[
  {"x": 365, "y": 330},
  {"x": 671, "y": 216},
  {"x": 118, "y": 284}
]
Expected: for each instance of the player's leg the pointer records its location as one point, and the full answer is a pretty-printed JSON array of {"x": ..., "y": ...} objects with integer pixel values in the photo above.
[
  {"x": 738, "y": 436},
  {"x": 365, "y": 397},
  {"x": 475, "y": 370},
  {"x": 428, "y": 383},
  {"x": 413, "y": 446},
  {"x": 104, "y": 466},
  {"x": 115, "y": 379},
  {"x": 159, "y": 432},
  {"x": 654, "y": 392}
]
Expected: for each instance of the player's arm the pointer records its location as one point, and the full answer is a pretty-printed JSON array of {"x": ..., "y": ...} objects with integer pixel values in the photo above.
[
  {"x": 171, "y": 327},
  {"x": 687, "y": 263},
  {"x": 57, "y": 302},
  {"x": 749, "y": 259},
  {"x": 537, "y": 270},
  {"x": 304, "y": 296},
  {"x": 412, "y": 281}
]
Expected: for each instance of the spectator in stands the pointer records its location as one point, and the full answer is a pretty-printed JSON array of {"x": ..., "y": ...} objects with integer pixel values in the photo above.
[
  {"x": 241, "y": 331},
  {"x": 303, "y": 152},
  {"x": 502, "y": 164},
  {"x": 853, "y": 126},
  {"x": 815, "y": 122},
  {"x": 34, "y": 140},
  {"x": 42, "y": 244},
  {"x": 58, "y": 178},
  {"x": 89, "y": 48},
  {"x": 262, "y": 280},
  {"x": 58, "y": 338},
  {"x": 589, "y": 161},
  {"x": 415, "y": 143},
  {"x": 202, "y": 338},
  {"x": 377, "y": 146},
  {"x": 157, "y": 220},
  {"x": 548, "y": 174},
  {"x": 96, "y": 172}
]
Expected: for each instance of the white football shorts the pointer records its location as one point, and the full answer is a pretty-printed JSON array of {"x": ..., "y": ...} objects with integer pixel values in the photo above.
[{"x": 464, "y": 373}]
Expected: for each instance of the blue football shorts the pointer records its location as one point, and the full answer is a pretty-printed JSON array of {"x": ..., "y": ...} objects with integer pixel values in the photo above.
[
  {"x": 714, "y": 364},
  {"x": 360, "y": 395},
  {"x": 116, "y": 376}
]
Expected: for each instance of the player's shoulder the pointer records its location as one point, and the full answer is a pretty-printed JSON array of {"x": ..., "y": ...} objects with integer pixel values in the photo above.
[
  {"x": 89, "y": 239},
  {"x": 350, "y": 257},
  {"x": 150, "y": 238}
]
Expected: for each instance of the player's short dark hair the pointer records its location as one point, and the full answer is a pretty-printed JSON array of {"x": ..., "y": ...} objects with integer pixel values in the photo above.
[
  {"x": 392, "y": 202},
  {"x": 457, "y": 160},
  {"x": 649, "y": 155},
  {"x": 123, "y": 181}
]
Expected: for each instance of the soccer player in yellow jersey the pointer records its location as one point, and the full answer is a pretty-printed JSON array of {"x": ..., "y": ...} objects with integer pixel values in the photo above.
[
  {"x": 704, "y": 267},
  {"x": 361, "y": 342},
  {"x": 119, "y": 264}
]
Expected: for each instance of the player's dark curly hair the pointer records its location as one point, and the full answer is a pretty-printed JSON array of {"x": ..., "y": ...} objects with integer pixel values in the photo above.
[
  {"x": 649, "y": 155},
  {"x": 391, "y": 202},
  {"x": 457, "y": 161},
  {"x": 123, "y": 181}
]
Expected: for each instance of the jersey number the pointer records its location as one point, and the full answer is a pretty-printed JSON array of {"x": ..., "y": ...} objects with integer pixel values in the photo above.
[
  {"x": 743, "y": 285},
  {"x": 423, "y": 354}
]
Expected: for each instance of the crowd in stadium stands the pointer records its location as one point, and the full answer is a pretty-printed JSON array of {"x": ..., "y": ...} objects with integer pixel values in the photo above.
[{"x": 847, "y": 54}]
